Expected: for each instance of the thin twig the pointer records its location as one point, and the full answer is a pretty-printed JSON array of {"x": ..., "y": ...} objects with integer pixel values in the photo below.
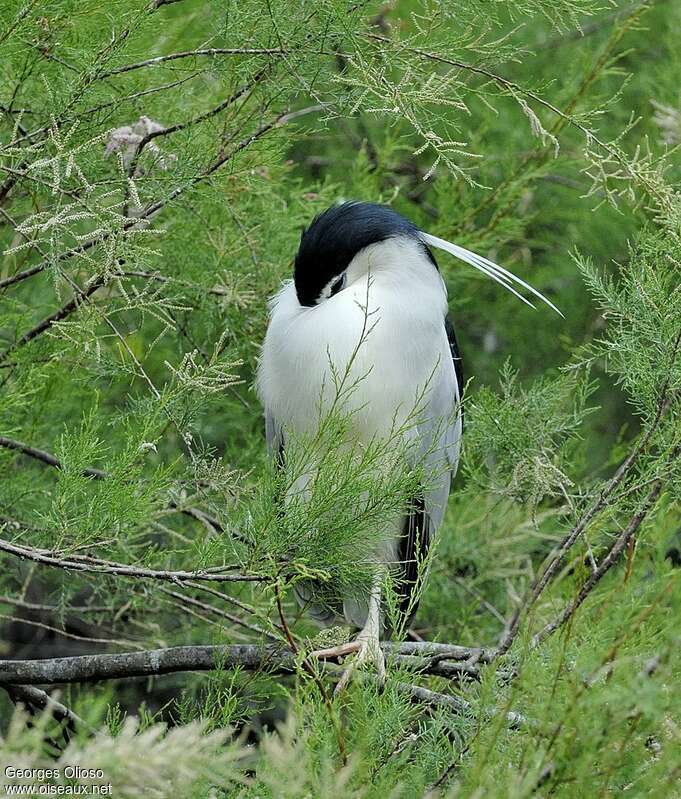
[
  {"x": 57, "y": 316},
  {"x": 170, "y": 129},
  {"x": 45, "y": 457},
  {"x": 515, "y": 90},
  {"x": 189, "y": 600},
  {"x": 145, "y": 215},
  {"x": 310, "y": 669},
  {"x": 92, "y": 565},
  {"x": 606, "y": 563},
  {"x": 602, "y": 501},
  {"x": 20, "y": 603},
  {"x": 218, "y": 291},
  {"x": 136, "y": 95},
  {"x": 207, "y": 51},
  {"x": 65, "y": 634},
  {"x": 50, "y": 460},
  {"x": 579, "y": 34},
  {"x": 221, "y": 595}
]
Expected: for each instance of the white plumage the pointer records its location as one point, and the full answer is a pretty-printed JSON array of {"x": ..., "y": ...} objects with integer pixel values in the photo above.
[
  {"x": 377, "y": 302},
  {"x": 405, "y": 301}
]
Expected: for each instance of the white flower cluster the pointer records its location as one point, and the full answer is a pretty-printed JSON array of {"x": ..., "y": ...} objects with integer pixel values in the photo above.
[
  {"x": 126, "y": 140},
  {"x": 668, "y": 120}
]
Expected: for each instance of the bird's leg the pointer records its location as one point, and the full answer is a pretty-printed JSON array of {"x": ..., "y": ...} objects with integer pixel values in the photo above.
[
  {"x": 372, "y": 624},
  {"x": 367, "y": 643}
]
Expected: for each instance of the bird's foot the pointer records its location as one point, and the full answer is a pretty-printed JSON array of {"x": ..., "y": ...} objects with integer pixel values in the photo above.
[
  {"x": 335, "y": 652},
  {"x": 368, "y": 652}
]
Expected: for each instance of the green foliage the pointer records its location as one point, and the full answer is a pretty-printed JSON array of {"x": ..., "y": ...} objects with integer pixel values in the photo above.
[
  {"x": 641, "y": 339},
  {"x": 522, "y": 441},
  {"x": 150, "y": 206}
]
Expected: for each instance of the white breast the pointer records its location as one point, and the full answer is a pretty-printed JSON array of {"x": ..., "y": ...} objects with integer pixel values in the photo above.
[{"x": 383, "y": 335}]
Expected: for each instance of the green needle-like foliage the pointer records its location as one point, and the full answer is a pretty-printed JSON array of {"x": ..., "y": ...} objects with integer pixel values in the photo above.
[{"x": 158, "y": 160}]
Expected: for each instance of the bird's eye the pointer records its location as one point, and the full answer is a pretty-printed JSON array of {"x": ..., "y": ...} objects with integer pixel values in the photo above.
[{"x": 337, "y": 285}]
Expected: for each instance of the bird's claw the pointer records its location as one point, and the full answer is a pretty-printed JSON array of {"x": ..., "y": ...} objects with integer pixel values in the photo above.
[
  {"x": 336, "y": 651},
  {"x": 367, "y": 650}
]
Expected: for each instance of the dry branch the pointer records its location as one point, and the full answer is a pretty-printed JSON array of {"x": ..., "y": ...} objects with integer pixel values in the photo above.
[
  {"x": 207, "y": 51},
  {"x": 98, "y": 566},
  {"x": 275, "y": 658}
]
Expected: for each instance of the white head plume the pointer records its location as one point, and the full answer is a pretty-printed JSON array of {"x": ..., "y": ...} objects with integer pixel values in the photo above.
[{"x": 489, "y": 268}]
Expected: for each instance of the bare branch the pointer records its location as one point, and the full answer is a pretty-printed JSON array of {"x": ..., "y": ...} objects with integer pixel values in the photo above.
[
  {"x": 209, "y": 51},
  {"x": 274, "y": 658},
  {"x": 98, "y": 566}
]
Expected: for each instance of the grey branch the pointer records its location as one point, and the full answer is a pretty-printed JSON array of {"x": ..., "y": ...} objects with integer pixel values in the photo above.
[
  {"x": 209, "y": 51},
  {"x": 35, "y": 698},
  {"x": 153, "y": 662},
  {"x": 108, "y": 666},
  {"x": 99, "y": 566}
]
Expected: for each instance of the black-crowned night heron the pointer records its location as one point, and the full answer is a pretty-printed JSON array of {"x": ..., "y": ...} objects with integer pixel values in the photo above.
[{"x": 359, "y": 261}]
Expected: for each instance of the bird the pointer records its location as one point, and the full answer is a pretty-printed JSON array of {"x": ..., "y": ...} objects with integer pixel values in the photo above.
[{"x": 355, "y": 261}]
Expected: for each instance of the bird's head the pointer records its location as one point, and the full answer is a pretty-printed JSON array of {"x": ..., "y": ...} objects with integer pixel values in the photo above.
[{"x": 332, "y": 249}]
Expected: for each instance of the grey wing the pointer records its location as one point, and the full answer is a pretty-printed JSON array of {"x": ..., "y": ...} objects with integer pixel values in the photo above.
[
  {"x": 440, "y": 444},
  {"x": 444, "y": 423},
  {"x": 274, "y": 436}
]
